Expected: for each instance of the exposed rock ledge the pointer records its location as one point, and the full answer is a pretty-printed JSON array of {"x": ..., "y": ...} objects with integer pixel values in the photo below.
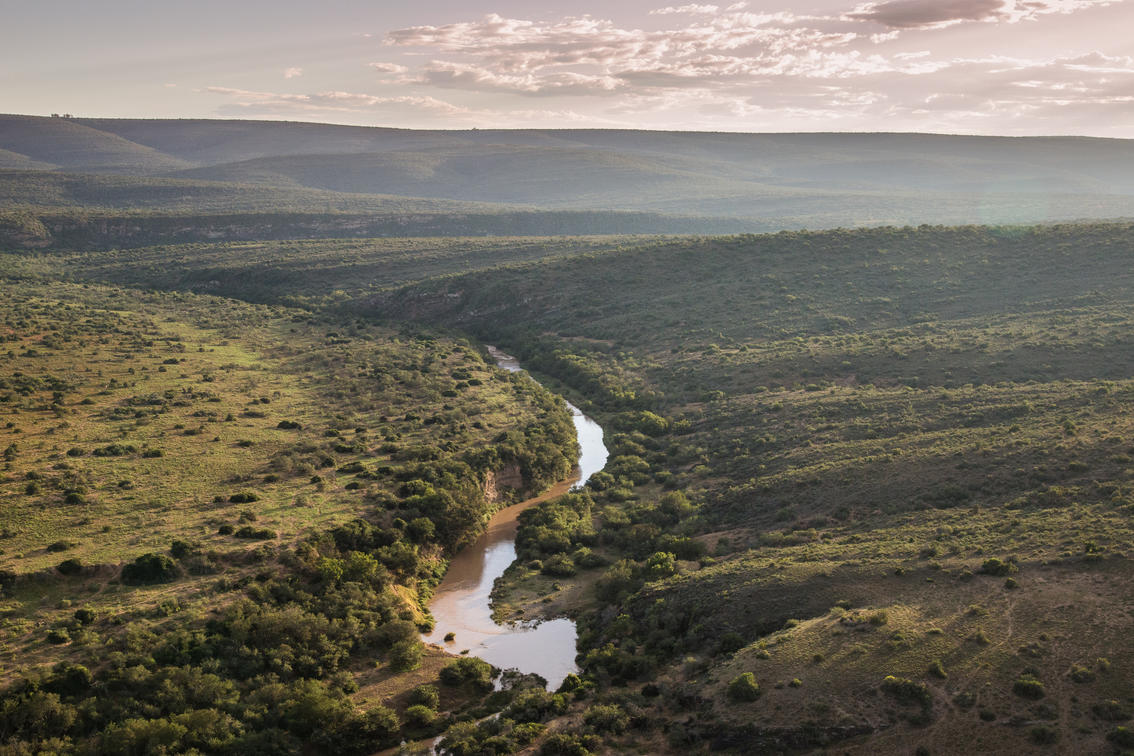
[{"x": 498, "y": 482}]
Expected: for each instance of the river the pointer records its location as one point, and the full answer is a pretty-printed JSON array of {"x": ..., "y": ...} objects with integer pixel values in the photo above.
[{"x": 462, "y": 605}]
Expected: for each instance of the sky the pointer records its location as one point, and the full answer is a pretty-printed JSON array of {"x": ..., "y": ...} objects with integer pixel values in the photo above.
[{"x": 1013, "y": 67}]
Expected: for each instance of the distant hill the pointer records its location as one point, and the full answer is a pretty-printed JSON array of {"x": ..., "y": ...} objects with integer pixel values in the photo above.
[
  {"x": 769, "y": 180},
  {"x": 72, "y": 145}
]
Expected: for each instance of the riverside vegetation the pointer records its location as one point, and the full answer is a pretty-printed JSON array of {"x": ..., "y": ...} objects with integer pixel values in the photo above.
[
  {"x": 886, "y": 473},
  {"x": 222, "y": 520},
  {"x": 868, "y": 489}
]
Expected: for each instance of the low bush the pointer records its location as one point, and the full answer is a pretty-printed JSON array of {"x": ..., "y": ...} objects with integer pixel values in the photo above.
[
  {"x": 606, "y": 718},
  {"x": 150, "y": 568},
  {"x": 743, "y": 687},
  {"x": 1029, "y": 687},
  {"x": 907, "y": 691}
]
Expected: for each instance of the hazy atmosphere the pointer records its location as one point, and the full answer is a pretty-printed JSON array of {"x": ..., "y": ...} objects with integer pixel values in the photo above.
[{"x": 1010, "y": 67}]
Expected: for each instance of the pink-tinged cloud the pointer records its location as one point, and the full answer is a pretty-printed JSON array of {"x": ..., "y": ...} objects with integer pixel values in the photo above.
[
  {"x": 692, "y": 9},
  {"x": 938, "y": 14},
  {"x": 470, "y": 77},
  {"x": 390, "y": 68},
  {"x": 279, "y": 102},
  {"x": 293, "y": 72}
]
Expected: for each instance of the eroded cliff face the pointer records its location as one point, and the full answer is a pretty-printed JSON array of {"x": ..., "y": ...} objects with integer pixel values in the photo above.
[{"x": 498, "y": 483}]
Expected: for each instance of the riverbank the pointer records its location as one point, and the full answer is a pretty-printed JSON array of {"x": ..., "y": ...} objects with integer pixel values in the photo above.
[{"x": 464, "y": 622}]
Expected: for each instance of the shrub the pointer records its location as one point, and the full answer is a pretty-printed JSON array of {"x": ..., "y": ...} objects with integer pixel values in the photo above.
[
  {"x": 181, "y": 549},
  {"x": 743, "y": 688},
  {"x": 1081, "y": 674},
  {"x": 606, "y": 718},
  {"x": 70, "y": 567},
  {"x": 647, "y": 422},
  {"x": 937, "y": 669},
  {"x": 1123, "y": 737},
  {"x": 150, "y": 568},
  {"x": 1111, "y": 711},
  {"x": 425, "y": 695},
  {"x": 114, "y": 450},
  {"x": 907, "y": 691},
  {"x": 256, "y": 534},
  {"x": 469, "y": 670},
  {"x": 661, "y": 564},
  {"x": 58, "y": 636},
  {"x": 406, "y": 655},
  {"x": 996, "y": 567},
  {"x": 563, "y": 744},
  {"x": 54, "y": 548},
  {"x": 559, "y": 565},
  {"x": 244, "y": 497},
  {"x": 226, "y": 529},
  {"x": 1029, "y": 687},
  {"x": 419, "y": 716}
]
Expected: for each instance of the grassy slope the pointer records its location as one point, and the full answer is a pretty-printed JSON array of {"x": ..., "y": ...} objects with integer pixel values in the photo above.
[
  {"x": 206, "y": 381},
  {"x": 92, "y": 193},
  {"x": 305, "y": 271},
  {"x": 864, "y": 417},
  {"x": 70, "y": 144}
]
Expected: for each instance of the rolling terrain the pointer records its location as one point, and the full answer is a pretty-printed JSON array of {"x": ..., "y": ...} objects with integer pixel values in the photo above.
[
  {"x": 761, "y": 181},
  {"x": 870, "y": 490},
  {"x": 885, "y": 472}
]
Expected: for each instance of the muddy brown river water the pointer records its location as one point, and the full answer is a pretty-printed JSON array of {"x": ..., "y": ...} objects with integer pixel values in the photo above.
[{"x": 462, "y": 606}]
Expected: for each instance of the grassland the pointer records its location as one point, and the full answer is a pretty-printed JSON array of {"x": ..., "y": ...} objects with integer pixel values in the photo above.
[
  {"x": 886, "y": 472},
  {"x": 177, "y": 466},
  {"x": 324, "y": 272}
]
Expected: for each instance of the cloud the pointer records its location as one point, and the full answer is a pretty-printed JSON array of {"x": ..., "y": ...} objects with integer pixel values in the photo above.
[
  {"x": 712, "y": 65},
  {"x": 391, "y": 68},
  {"x": 927, "y": 14},
  {"x": 938, "y": 14},
  {"x": 465, "y": 76},
  {"x": 688, "y": 9},
  {"x": 539, "y": 57},
  {"x": 328, "y": 101},
  {"x": 292, "y": 73}
]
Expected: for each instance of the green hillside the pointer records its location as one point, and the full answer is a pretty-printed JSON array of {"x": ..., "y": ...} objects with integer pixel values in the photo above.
[
  {"x": 887, "y": 472},
  {"x": 91, "y": 192},
  {"x": 311, "y": 272}
]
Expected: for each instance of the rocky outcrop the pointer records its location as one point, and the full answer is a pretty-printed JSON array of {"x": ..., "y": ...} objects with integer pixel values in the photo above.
[{"x": 497, "y": 483}]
